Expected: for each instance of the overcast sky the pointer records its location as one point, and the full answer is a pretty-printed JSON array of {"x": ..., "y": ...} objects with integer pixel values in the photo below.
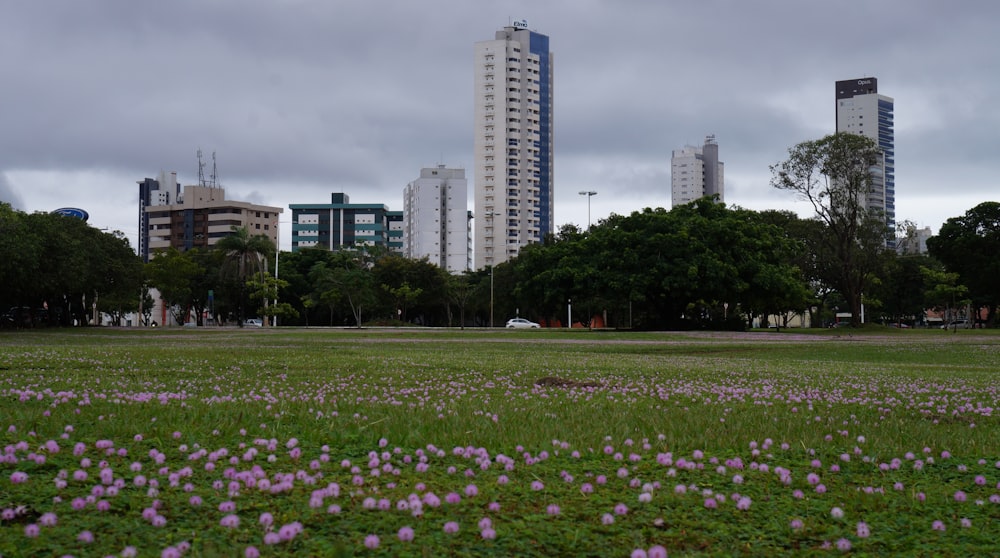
[{"x": 301, "y": 98}]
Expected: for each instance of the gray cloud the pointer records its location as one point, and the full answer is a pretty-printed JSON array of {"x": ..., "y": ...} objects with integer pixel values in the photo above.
[
  {"x": 8, "y": 194},
  {"x": 301, "y": 98}
]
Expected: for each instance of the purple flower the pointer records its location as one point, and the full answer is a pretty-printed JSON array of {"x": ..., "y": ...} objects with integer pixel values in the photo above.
[
  {"x": 959, "y": 496},
  {"x": 251, "y": 552},
  {"x": 371, "y": 541},
  {"x": 743, "y": 503},
  {"x": 552, "y": 509},
  {"x": 17, "y": 477},
  {"x": 938, "y": 525},
  {"x": 656, "y": 552},
  {"x": 85, "y": 537},
  {"x": 837, "y": 513},
  {"x": 621, "y": 509},
  {"x": 863, "y": 531},
  {"x": 711, "y": 503},
  {"x": 607, "y": 519},
  {"x": 231, "y": 521},
  {"x": 796, "y": 524},
  {"x": 638, "y": 553},
  {"x": 405, "y": 534},
  {"x": 451, "y": 527},
  {"x": 48, "y": 519},
  {"x": 31, "y": 530},
  {"x": 471, "y": 490},
  {"x": 488, "y": 533},
  {"x": 843, "y": 545},
  {"x": 537, "y": 485}
]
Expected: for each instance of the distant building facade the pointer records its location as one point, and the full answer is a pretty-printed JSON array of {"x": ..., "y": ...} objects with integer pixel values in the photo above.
[
  {"x": 513, "y": 146},
  {"x": 861, "y": 110},
  {"x": 696, "y": 172},
  {"x": 914, "y": 241},
  {"x": 162, "y": 191},
  {"x": 197, "y": 218},
  {"x": 436, "y": 216},
  {"x": 341, "y": 224}
]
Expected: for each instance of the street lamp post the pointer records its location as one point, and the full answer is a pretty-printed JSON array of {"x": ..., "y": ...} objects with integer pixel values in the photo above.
[{"x": 589, "y": 194}]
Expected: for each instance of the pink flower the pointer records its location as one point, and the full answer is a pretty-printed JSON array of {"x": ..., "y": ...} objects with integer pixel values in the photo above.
[
  {"x": 488, "y": 533},
  {"x": 231, "y": 521},
  {"x": 405, "y": 534},
  {"x": 607, "y": 519},
  {"x": 451, "y": 527},
  {"x": 251, "y": 552},
  {"x": 938, "y": 525},
  {"x": 638, "y": 553},
  {"x": 471, "y": 490},
  {"x": 656, "y": 552},
  {"x": 621, "y": 509},
  {"x": 843, "y": 545},
  {"x": 17, "y": 477},
  {"x": 48, "y": 519},
  {"x": 863, "y": 531},
  {"x": 796, "y": 524},
  {"x": 837, "y": 513},
  {"x": 711, "y": 503},
  {"x": 371, "y": 541},
  {"x": 537, "y": 485},
  {"x": 552, "y": 509},
  {"x": 31, "y": 530},
  {"x": 743, "y": 503},
  {"x": 959, "y": 496}
]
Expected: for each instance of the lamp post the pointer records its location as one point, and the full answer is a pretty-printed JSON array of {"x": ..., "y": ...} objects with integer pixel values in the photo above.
[{"x": 589, "y": 194}]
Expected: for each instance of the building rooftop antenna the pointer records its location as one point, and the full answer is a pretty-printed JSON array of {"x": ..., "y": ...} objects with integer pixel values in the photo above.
[
  {"x": 215, "y": 173},
  {"x": 201, "y": 170}
]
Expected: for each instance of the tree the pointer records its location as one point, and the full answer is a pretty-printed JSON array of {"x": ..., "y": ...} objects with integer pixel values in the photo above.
[
  {"x": 943, "y": 290},
  {"x": 174, "y": 273},
  {"x": 246, "y": 257},
  {"x": 834, "y": 174},
  {"x": 346, "y": 277},
  {"x": 266, "y": 288},
  {"x": 120, "y": 275},
  {"x": 968, "y": 246}
]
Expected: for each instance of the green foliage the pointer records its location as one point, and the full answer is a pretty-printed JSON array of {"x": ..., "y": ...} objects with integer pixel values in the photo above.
[
  {"x": 65, "y": 265},
  {"x": 174, "y": 274},
  {"x": 901, "y": 428},
  {"x": 834, "y": 174},
  {"x": 968, "y": 246}
]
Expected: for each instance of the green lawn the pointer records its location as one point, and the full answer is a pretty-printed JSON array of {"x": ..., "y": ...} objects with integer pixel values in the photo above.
[{"x": 175, "y": 442}]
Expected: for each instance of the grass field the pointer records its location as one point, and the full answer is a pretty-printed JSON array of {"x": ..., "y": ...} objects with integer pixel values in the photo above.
[{"x": 550, "y": 443}]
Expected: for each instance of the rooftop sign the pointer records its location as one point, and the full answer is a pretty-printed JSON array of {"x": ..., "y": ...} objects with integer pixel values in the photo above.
[{"x": 72, "y": 212}]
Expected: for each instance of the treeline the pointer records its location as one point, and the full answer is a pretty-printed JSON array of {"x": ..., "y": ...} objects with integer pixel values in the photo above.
[
  {"x": 54, "y": 269},
  {"x": 699, "y": 266}
]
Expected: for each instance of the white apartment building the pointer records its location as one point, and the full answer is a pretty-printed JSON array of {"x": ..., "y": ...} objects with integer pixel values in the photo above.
[
  {"x": 696, "y": 172},
  {"x": 861, "y": 110},
  {"x": 513, "y": 143},
  {"x": 436, "y": 218}
]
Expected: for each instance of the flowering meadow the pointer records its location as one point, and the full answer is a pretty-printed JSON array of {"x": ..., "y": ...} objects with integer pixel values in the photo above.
[{"x": 549, "y": 443}]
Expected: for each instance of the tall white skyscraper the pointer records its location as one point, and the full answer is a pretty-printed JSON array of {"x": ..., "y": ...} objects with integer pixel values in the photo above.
[
  {"x": 436, "y": 218},
  {"x": 861, "y": 110},
  {"x": 696, "y": 172},
  {"x": 513, "y": 143}
]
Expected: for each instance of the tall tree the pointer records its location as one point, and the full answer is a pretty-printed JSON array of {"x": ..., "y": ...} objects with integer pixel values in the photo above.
[
  {"x": 834, "y": 174},
  {"x": 968, "y": 245},
  {"x": 247, "y": 257}
]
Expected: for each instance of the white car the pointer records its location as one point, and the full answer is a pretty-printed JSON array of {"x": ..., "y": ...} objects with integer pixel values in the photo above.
[
  {"x": 521, "y": 322},
  {"x": 253, "y": 322}
]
